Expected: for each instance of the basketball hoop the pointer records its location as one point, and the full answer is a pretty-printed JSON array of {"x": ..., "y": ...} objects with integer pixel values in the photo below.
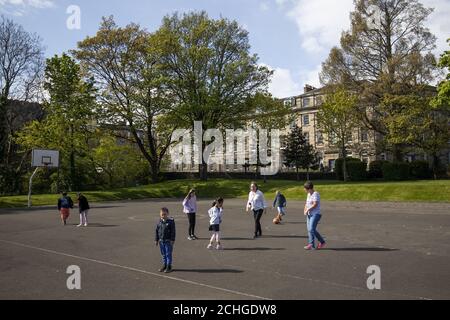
[{"x": 42, "y": 159}]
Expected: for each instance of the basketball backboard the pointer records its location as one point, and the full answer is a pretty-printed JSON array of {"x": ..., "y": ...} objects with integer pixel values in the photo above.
[{"x": 45, "y": 158}]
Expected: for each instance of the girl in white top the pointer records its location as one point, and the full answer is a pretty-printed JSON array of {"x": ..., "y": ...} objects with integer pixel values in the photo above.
[
  {"x": 215, "y": 216},
  {"x": 257, "y": 204}
]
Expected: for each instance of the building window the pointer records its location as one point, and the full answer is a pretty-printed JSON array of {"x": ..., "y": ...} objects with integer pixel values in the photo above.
[
  {"x": 306, "y": 120},
  {"x": 332, "y": 165},
  {"x": 306, "y": 134},
  {"x": 319, "y": 137},
  {"x": 305, "y": 102},
  {"x": 364, "y": 135},
  {"x": 350, "y": 138},
  {"x": 332, "y": 139},
  {"x": 319, "y": 101}
]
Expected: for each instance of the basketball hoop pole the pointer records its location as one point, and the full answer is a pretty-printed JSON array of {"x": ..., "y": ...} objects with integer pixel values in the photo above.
[{"x": 30, "y": 185}]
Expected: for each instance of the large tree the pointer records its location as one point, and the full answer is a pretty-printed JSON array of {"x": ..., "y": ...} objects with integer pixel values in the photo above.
[
  {"x": 337, "y": 118},
  {"x": 210, "y": 70},
  {"x": 21, "y": 68},
  {"x": 385, "y": 56},
  {"x": 133, "y": 92},
  {"x": 68, "y": 125}
]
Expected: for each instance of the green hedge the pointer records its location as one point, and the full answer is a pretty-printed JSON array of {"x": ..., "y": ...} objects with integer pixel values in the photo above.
[
  {"x": 420, "y": 170},
  {"x": 356, "y": 169},
  {"x": 376, "y": 169},
  {"x": 396, "y": 171}
]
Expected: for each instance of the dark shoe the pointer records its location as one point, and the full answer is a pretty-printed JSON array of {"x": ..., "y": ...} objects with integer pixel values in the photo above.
[
  {"x": 164, "y": 267},
  {"x": 168, "y": 269}
]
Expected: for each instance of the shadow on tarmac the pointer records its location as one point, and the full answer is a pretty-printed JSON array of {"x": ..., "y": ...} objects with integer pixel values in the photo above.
[
  {"x": 360, "y": 249},
  {"x": 254, "y": 249},
  {"x": 287, "y": 237},
  {"x": 209, "y": 270}
]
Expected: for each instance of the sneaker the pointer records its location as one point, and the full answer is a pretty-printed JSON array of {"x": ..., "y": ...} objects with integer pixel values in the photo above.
[
  {"x": 309, "y": 247},
  {"x": 80, "y": 225},
  {"x": 194, "y": 237},
  {"x": 321, "y": 246},
  {"x": 163, "y": 268},
  {"x": 168, "y": 269},
  {"x": 219, "y": 247},
  {"x": 190, "y": 238},
  {"x": 209, "y": 247},
  {"x": 85, "y": 224}
]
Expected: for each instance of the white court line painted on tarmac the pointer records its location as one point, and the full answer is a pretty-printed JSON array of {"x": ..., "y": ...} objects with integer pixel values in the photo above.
[{"x": 135, "y": 270}]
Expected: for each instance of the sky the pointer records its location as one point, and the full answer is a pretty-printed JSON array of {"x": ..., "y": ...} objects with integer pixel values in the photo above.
[{"x": 292, "y": 37}]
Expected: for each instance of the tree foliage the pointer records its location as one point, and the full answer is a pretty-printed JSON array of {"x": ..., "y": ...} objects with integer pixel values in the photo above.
[
  {"x": 209, "y": 69},
  {"x": 21, "y": 67},
  {"x": 132, "y": 90},
  {"x": 299, "y": 153},
  {"x": 68, "y": 125},
  {"x": 386, "y": 57},
  {"x": 338, "y": 118}
]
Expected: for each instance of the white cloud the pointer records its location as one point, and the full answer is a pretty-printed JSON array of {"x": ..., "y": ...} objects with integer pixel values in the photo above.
[
  {"x": 283, "y": 84},
  {"x": 321, "y": 22},
  {"x": 19, "y": 7},
  {"x": 439, "y": 22}
]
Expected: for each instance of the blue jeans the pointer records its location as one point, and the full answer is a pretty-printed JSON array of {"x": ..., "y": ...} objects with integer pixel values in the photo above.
[
  {"x": 166, "y": 252},
  {"x": 312, "y": 223}
]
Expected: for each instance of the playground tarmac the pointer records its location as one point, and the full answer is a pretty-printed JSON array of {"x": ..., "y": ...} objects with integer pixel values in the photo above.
[{"x": 410, "y": 242}]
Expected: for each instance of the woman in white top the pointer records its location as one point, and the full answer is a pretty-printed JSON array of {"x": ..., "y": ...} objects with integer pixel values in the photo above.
[{"x": 257, "y": 204}]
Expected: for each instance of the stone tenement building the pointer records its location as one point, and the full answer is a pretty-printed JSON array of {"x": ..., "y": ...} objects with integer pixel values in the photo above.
[{"x": 362, "y": 145}]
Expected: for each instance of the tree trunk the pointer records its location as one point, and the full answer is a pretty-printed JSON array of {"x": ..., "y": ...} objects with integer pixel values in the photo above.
[
  {"x": 203, "y": 171},
  {"x": 344, "y": 169},
  {"x": 307, "y": 174},
  {"x": 397, "y": 153},
  {"x": 73, "y": 180},
  {"x": 298, "y": 174},
  {"x": 154, "y": 172},
  {"x": 435, "y": 166},
  {"x": 344, "y": 162}
]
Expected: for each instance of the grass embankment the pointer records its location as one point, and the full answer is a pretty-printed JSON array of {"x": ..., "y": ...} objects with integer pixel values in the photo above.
[{"x": 420, "y": 191}]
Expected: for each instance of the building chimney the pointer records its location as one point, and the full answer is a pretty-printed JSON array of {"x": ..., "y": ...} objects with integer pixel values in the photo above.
[{"x": 308, "y": 88}]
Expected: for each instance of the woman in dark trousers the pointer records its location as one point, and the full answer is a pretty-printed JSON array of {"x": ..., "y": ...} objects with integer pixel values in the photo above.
[
  {"x": 83, "y": 206},
  {"x": 257, "y": 204},
  {"x": 190, "y": 208}
]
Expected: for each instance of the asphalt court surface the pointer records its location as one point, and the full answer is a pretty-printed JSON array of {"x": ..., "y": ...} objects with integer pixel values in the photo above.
[{"x": 410, "y": 242}]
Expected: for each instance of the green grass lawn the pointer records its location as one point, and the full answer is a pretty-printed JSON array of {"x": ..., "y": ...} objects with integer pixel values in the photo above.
[{"x": 421, "y": 191}]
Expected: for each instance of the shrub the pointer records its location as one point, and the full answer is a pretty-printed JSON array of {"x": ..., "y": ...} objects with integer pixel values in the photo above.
[
  {"x": 356, "y": 169},
  {"x": 376, "y": 169},
  {"x": 396, "y": 171},
  {"x": 420, "y": 170}
]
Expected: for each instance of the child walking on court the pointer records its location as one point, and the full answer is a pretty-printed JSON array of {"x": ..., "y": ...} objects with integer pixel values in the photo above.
[
  {"x": 312, "y": 211},
  {"x": 65, "y": 203},
  {"x": 190, "y": 208},
  {"x": 165, "y": 238},
  {"x": 280, "y": 203},
  {"x": 215, "y": 215},
  {"x": 83, "y": 206}
]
